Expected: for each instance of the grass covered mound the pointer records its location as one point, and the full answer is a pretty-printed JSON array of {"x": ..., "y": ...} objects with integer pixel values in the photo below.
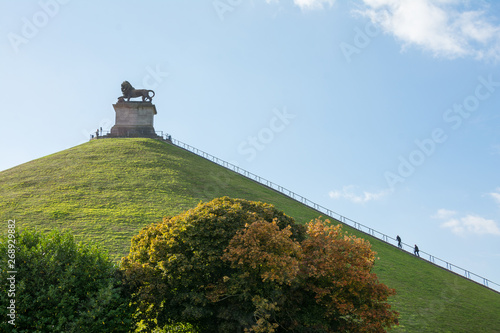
[{"x": 107, "y": 190}]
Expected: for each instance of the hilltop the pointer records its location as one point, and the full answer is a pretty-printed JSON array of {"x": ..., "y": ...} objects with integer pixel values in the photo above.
[{"x": 107, "y": 190}]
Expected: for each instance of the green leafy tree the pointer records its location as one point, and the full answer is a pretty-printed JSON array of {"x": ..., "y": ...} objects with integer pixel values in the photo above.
[
  {"x": 62, "y": 286},
  {"x": 233, "y": 265},
  {"x": 175, "y": 266}
]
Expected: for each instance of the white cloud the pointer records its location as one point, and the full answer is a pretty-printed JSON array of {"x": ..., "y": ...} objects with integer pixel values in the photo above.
[
  {"x": 309, "y": 4},
  {"x": 313, "y": 4},
  {"x": 469, "y": 224},
  {"x": 496, "y": 195},
  {"x": 444, "y": 214},
  {"x": 480, "y": 225},
  {"x": 455, "y": 226},
  {"x": 442, "y": 27},
  {"x": 348, "y": 192}
]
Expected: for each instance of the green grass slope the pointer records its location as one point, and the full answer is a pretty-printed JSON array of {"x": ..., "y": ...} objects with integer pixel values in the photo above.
[{"x": 107, "y": 190}]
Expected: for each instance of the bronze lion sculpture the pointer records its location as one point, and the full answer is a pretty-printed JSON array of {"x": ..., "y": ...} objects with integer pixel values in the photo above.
[{"x": 130, "y": 92}]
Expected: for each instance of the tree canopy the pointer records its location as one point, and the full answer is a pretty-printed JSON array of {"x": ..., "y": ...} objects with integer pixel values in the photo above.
[
  {"x": 62, "y": 286},
  {"x": 234, "y": 265}
]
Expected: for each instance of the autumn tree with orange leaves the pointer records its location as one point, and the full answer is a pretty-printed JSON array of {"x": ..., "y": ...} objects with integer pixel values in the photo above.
[{"x": 234, "y": 265}]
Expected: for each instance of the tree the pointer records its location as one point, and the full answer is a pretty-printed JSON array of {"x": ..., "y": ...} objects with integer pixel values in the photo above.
[
  {"x": 175, "y": 266},
  {"x": 62, "y": 286},
  {"x": 336, "y": 269},
  {"x": 266, "y": 262},
  {"x": 232, "y": 265},
  {"x": 323, "y": 284}
]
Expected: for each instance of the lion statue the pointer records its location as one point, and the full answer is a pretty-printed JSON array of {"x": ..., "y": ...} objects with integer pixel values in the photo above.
[{"x": 130, "y": 92}]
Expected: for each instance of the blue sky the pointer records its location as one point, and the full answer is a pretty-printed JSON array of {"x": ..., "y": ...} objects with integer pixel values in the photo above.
[{"x": 386, "y": 112}]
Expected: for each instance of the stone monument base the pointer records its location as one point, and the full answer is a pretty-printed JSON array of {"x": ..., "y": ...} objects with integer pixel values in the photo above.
[
  {"x": 135, "y": 131},
  {"x": 134, "y": 119}
]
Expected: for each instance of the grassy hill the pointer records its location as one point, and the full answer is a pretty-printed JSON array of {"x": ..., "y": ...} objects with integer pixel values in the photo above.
[{"x": 107, "y": 190}]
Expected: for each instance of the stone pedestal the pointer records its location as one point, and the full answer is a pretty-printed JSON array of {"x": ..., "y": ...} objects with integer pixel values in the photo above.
[{"x": 134, "y": 119}]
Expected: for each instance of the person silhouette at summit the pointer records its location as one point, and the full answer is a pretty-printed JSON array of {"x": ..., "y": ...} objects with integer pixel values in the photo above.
[
  {"x": 399, "y": 241},
  {"x": 415, "y": 251}
]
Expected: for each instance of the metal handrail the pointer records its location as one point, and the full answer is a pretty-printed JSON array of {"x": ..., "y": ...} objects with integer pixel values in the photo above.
[{"x": 336, "y": 216}]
